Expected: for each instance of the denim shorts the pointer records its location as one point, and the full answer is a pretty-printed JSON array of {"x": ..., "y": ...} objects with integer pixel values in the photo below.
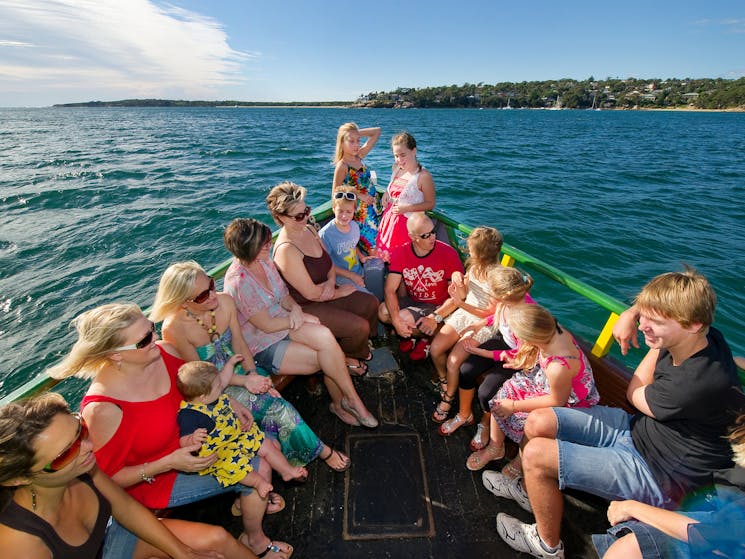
[
  {"x": 271, "y": 357},
  {"x": 597, "y": 455},
  {"x": 417, "y": 309},
  {"x": 188, "y": 488},
  {"x": 653, "y": 543}
]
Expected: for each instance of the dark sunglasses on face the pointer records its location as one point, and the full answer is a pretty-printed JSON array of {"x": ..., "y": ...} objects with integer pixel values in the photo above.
[
  {"x": 71, "y": 452},
  {"x": 427, "y": 235},
  {"x": 204, "y": 295},
  {"x": 301, "y": 216},
  {"x": 144, "y": 342},
  {"x": 351, "y": 196}
]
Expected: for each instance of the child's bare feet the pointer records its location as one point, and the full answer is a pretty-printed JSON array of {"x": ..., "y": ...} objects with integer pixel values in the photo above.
[
  {"x": 263, "y": 488},
  {"x": 297, "y": 473}
]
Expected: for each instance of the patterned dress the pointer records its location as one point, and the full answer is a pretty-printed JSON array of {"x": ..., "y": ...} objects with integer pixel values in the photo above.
[
  {"x": 525, "y": 385},
  {"x": 277, "y": 417},
  {"x": 234, "y": 447},
  {"x": 366, "y": 216}
]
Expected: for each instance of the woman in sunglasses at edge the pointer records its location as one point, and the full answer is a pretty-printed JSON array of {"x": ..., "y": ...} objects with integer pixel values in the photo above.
[
  {"x": 55, "y": 502},
  {"x": 411, "y": 190},
  {"x": 131, "y": 408},
  {"x": 203, "y": 325},
  {"x": 284, "y": 339},
  {"x": 308, "y": 270}
]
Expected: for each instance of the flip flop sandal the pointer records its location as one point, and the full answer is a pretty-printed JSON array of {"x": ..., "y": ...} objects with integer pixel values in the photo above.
[
  {"x": 345, "y": 459},
  {"x": 274, "y": 548},
  {"x": 357, "y": 370}
]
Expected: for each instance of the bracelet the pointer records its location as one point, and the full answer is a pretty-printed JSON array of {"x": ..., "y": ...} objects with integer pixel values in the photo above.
[
  {"x": 514, "y": 408},
  {"x": 495, "y": 355},
  {"x": 146, "y": 478}
]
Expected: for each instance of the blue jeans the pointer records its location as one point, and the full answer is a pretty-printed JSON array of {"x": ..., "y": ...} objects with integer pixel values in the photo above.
[
  {"x": 597, "y": 455},
  {"x": 270, "y": 358}
]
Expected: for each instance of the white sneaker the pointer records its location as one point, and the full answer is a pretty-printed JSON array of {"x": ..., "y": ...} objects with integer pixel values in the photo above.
[
  {"x": 503, "y": 486},
  {"x": 524, "y": 537}
]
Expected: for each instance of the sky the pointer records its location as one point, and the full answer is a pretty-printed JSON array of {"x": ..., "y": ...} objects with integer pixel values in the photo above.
[{"x": 63, "y": 51}]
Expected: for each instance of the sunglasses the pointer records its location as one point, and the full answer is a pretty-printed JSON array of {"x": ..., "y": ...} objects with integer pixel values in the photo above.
[
  {"x": 72, "y": 451},
  {"x": 144, "y": 342},
  {"x": 204, "y": 295},
  {"x": 427, "y": 235},
  {"x": 351, "y": 196},
  {"x": 301, "y": 216}
]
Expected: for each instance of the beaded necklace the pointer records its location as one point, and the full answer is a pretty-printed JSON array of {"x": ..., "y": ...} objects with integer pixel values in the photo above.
[{"x": 211, "y": 329}]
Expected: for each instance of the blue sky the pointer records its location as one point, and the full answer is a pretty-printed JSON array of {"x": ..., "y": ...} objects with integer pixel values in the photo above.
[{"x": 58, "y": 51}]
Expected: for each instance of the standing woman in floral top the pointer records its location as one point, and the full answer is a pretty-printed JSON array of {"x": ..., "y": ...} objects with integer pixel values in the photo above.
[{"x": 351, "y": 170}]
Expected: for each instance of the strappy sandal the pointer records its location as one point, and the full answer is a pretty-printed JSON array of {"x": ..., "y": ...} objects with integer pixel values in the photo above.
[
  {"x": 479, "y": 459},
  {"x": 481, "y": 438},
  {"x": 440, "y": 415},
  {"x": 452, "y": 425},
  {"x": 358, "y": 370},
  {"x": 342, "y": 457},
  {"x": 272, "y": 547},
  {"x": 513, "y": 468}
]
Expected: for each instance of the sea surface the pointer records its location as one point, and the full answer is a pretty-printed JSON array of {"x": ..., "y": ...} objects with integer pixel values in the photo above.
[{"x": 96, "y": 203}]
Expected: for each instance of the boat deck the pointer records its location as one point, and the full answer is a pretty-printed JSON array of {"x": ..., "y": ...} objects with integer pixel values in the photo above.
[{"x": 407, "y": 494}]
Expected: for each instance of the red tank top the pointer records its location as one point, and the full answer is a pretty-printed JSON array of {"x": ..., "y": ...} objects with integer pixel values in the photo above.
[{"x": 148, "y": 431}]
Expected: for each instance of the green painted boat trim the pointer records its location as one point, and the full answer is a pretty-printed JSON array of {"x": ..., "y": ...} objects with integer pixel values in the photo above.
[{"x": 323, "y": 212}]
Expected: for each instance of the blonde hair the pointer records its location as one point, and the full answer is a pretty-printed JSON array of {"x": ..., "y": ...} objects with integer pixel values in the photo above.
[
  {"x": 341, "y": 135},
  {"x": 531, "y": 325},
  {"x": 336, "y": 202},
  {"x": 487, "y": 243},
  {"x": 282, "y": 197},
  {"x": 508, "y": 284},
  {"x": 99, "y": 333},
  {"x": 405, "y": 139},
  {"x": 737, "y": 441},
  {"x": 195, "y": 378},
  {"x": 175, "y": 288},
  {"x": 685, "y": 297}
]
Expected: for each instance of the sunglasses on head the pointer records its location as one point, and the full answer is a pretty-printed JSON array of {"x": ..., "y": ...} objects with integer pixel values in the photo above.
[
  {"x": 302, "y": 215},
  {"x": 72, "y": 451},
  {"x": 204, "y": 295},
  {"x": 427, "y": 235},
  {"x": 351, "y": 196},
  {"x": 144, "y": 342}
]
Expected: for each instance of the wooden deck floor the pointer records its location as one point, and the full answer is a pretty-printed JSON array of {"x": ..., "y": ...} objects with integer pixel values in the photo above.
[{"x": 463, "y": 511}]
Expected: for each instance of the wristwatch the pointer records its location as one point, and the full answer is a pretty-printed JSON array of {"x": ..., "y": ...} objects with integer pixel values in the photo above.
[{"x": 437, "y": 317}]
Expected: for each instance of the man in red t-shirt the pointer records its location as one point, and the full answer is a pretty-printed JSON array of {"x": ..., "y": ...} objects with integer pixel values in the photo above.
[{"x": 424, "y": 266}]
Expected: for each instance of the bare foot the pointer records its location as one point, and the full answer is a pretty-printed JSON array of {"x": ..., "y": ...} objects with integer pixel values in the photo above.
[
  {"x": 263, "y": 488},
  {"x": 298, "y": 473}
]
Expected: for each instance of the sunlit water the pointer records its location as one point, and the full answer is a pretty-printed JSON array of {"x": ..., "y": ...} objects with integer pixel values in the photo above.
[{"x": 97, "y": 202}]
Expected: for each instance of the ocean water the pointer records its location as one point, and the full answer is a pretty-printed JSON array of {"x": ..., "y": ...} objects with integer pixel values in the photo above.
[{"x": 97, "y": 202}]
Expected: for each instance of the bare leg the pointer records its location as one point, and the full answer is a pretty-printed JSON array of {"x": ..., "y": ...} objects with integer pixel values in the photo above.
[
  {"x": 541, "y": 470},
  {"x": 438, "y": 351},
  {"x": 315, "y": 347},
  {"x": 279, "y": 463},
  {"x": 261, "y": 485},
  {"x": 198, "y": 536},
  {"x": 626, "y": 547}
]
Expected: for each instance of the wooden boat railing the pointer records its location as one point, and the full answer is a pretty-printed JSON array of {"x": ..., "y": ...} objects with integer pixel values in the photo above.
[{"x": 611, "y": 375}]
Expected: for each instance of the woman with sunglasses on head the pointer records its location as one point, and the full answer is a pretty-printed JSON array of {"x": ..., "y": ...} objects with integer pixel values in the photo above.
[
  {"x": 131, "y": 408},
  {"x": 308, "y": 269},
  {"x": 203, "y": 325},
  {"x": 411, "y": 190},
  {"x": 55, "y": 502},
  {"x": 284, "y": 339}
]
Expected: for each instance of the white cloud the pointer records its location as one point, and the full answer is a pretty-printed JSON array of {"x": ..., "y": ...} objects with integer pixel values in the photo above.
[{"x": 130, "y": 48}]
